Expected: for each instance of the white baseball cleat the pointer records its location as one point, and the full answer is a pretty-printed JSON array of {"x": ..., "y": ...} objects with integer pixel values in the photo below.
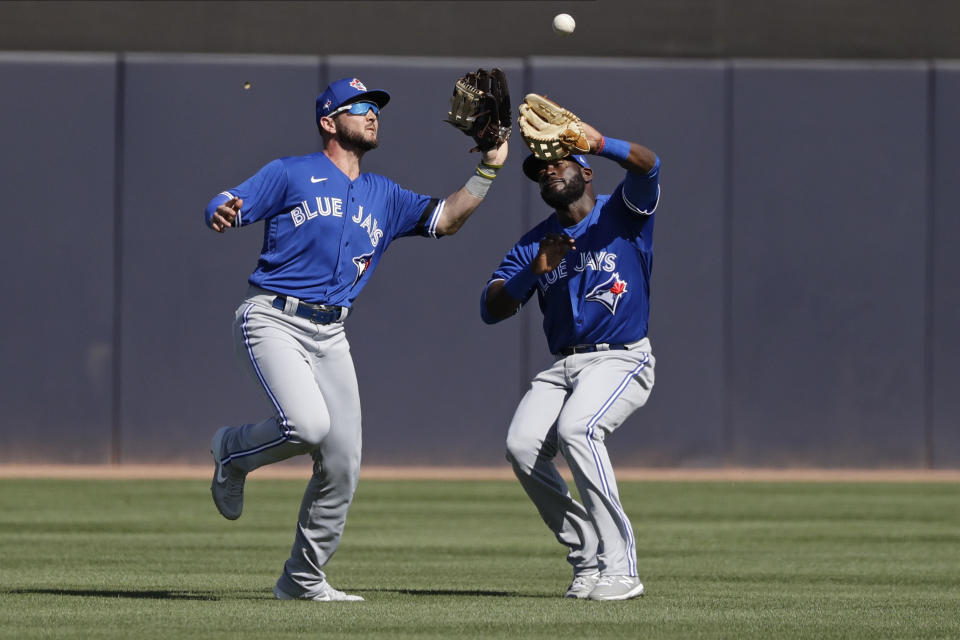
[
  {"x": 325, "y": 593},
  {"x": 581, "y": 586},
  {"x": 227, "y": 485},
  {"x": 617, "y": 588}
]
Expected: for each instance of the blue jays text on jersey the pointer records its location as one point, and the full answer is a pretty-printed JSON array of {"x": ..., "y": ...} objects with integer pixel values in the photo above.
[
  {"x": 323, "y": 233},
  {"x": 600, "y": 291}
]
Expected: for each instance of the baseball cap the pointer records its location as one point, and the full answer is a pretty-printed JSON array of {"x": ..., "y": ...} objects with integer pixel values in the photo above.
[
  {"x": 347, "y": 90},
  {"x": 531, "y": 165}
]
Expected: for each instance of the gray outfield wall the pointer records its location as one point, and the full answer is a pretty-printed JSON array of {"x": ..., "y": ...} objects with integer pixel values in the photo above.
[{"x": 805, "y": 292}]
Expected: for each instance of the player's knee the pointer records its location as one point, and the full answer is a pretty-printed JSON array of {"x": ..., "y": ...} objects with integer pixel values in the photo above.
[
  {"x": 310, "y": 430},
  {"x": 571, "y": 432},
  {"x": 343, "y": 470},
  {"x": 522, "y": 451}
]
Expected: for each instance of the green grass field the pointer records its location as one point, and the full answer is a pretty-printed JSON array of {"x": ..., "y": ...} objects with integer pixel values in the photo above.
[{"x": 471, "y": 559}]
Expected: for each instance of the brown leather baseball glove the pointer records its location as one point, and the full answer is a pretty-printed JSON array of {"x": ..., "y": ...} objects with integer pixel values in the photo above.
[{"x": 480, "y": 107}]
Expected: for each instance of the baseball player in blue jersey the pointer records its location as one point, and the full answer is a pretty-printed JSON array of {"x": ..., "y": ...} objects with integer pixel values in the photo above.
[
  {"x": 589, "y": 263},
  {"x": 326, "y": 227}
]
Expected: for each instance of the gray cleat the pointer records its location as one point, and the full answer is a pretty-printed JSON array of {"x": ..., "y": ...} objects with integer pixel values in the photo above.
[
  {"x": 617, "y": 588},
  {"x": 581, "y": 586},
  {"x": 227, "y": 486},
  {"x": 325, "y": 593}
]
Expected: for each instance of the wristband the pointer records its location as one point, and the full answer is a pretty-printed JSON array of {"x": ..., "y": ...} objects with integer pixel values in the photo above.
[
  {"x": 519, "y": 285},
  {"x": 613, "y": 149},
  {"x": 479, "y": 184},
  {"x": 485, "y": 170}
]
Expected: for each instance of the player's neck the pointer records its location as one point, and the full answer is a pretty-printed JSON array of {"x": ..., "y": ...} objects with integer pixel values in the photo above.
[
  {"x": 347, "y": 160},
  {"x": 576, "y": 211}
]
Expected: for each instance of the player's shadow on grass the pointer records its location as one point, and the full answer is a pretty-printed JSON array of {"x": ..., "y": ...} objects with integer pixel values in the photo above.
[
  {"x": 184, "y": 595},
  {"x": 118, "y": 593}
]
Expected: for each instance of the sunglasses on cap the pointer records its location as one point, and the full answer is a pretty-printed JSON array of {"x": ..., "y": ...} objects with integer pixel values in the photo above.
[{"x": 357, "y": 109}]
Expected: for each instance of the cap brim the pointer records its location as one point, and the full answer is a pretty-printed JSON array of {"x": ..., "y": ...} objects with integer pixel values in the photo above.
[
  {"x": 377, "y": 97},
  {"x": 531, "y": 165}
]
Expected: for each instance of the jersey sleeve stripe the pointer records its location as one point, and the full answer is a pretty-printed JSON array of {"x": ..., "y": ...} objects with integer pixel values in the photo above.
[
  {"x": 435, "y": 218},
  {"x": 636, "y": 209},
  {"x": 427, "y": 225},
  {"x": 229, "y": 196}
]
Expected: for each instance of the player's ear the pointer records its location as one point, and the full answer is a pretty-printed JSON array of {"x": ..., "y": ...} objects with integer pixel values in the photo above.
[
  {"x": 327, "y": 124},
  {"x": 587, "y": 174}
]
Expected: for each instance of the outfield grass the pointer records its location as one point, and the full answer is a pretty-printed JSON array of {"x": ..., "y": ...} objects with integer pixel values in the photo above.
[{"x": 471, "y": 559}]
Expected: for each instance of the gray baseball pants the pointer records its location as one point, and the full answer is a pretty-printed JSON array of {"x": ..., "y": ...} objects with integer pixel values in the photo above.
[
  {"x": 306, "y": 372},
  {"x": 571, "y": 408}
]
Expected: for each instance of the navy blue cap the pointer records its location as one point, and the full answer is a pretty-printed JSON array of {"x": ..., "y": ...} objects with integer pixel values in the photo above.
[
  {"x": 346, "y": 91},
  {"x": 532, "y": 164}
]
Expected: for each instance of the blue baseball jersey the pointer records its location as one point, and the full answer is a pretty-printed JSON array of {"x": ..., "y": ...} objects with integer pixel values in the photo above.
[
  {"x": 600, "y": 292},
  {"x": 324, "y": 234}
]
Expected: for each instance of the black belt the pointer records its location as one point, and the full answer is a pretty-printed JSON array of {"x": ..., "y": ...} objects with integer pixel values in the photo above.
[
  {"x": 316, "y": 313},
  {"x": 591, "y": 348}
]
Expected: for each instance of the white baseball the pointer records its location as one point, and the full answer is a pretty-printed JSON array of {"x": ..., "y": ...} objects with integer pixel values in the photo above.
[{"x": 564, "y": 24}]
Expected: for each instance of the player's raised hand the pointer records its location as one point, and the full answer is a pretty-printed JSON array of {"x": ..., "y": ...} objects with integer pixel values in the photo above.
[
  {"x": 496, "y": 155},
  {"x": 553, "y": 248},
  {"x": 594, "y": 137},
  {"x": 225, "y": 214}
]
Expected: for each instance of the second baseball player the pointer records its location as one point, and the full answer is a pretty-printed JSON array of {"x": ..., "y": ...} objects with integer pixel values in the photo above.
[{"x": 589, "y": 262}]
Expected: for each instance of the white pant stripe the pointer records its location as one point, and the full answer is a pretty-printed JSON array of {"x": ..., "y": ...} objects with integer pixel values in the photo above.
[
  {"x": 250, "y": 452},
  {"x": 284, "y": 429},
  {"x": 631, "y": 555}
]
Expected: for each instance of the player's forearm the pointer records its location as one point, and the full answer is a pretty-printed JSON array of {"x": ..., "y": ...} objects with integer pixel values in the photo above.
[
  {"x": 461, "y": 204},
  {"x": 640, "y": 160},
  {"x": 497, "y": 304},
  {"x": 503, "y": 298},
  {"x": 629, "y": 155},
  {"x": 457, "y": 209},
  {"x": 632, "y": 156}
]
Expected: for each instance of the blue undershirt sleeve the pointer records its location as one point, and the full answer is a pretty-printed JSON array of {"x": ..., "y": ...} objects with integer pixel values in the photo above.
[{"x": 641, "y": 191}]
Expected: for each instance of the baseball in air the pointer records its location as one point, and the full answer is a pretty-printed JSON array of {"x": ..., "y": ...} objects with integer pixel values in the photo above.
[{"x": 563, "y": 24}]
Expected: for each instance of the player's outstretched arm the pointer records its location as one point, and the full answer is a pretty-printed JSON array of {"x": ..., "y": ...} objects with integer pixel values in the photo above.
[
  {"x": 496, "y": 304},
  {"x": 463, "y": 202},
  {"x": 632, "y": 156},
  {"x": 502, "y": 298}
]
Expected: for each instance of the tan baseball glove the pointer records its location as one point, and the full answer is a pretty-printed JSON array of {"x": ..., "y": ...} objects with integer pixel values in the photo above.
[{"x": 549, "y": 130}]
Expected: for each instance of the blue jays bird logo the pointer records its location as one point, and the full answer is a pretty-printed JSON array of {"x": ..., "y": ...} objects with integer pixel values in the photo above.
[
  {"x": 608, "y": 294},
  {"x": 356, "y": 84},
  {"x": 362, "y": 263}
]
